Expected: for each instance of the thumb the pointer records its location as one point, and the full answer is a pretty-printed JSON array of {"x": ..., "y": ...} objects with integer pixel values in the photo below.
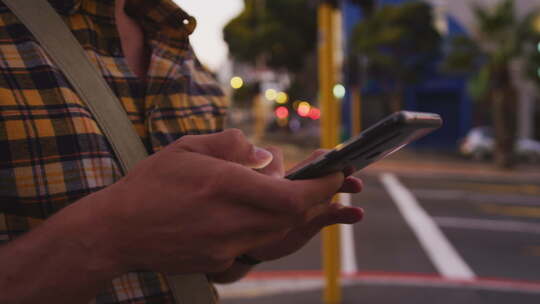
[{"x": 229, "y": 145}]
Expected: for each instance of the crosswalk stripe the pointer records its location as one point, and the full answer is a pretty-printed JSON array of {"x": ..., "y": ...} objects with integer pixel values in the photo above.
[
  {"x": 441, "y": 252},
  {"x": 348, "y": 254}
]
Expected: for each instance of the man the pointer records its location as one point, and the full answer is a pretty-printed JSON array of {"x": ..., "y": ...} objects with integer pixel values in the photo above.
[{"x": 194, "y": 206}]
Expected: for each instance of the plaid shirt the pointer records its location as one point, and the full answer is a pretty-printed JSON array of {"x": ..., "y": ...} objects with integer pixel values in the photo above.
[{"x": 53, "y": 153}]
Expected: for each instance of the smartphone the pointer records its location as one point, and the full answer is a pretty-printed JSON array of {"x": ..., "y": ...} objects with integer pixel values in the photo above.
[{"x": 380, "y": 140}]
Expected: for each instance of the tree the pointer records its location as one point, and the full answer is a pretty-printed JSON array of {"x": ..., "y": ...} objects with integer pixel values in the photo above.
[
  {"x": 279, "y": 32},
  {"x": 281, "y": 35},
  {"x": 400, "y": 44},
  {"x": 354, "y": 62},
  {"x": 532, "y": 69},
  {"x": 502, "y": 39}
]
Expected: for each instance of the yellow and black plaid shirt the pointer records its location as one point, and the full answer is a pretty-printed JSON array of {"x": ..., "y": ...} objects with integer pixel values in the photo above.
[{"x": 53, "y": 153}]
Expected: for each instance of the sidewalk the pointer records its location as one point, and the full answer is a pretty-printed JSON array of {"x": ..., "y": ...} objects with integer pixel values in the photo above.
[{"x": 409, "y": 162}]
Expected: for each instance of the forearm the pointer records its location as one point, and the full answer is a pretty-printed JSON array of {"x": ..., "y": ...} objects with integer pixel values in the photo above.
[{"x": 62, "y": 261}]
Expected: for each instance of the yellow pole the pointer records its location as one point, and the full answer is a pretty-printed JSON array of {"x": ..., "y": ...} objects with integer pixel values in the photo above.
[
  {"x": 327, "y": 77},
  {"x": 329, "y": 138}
]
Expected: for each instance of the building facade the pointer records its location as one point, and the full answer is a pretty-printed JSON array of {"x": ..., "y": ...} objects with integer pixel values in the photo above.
[{"x": 440, "y": 93}]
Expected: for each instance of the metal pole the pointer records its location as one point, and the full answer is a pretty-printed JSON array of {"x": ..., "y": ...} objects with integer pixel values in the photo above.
[{"x": 330, "y": 136}]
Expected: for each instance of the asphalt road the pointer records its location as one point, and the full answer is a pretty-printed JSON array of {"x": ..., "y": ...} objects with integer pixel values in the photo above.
[{"x": 425, "y": 239}]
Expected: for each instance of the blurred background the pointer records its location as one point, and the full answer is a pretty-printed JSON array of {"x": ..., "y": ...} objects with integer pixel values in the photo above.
[{"x": 454, "y": 218}]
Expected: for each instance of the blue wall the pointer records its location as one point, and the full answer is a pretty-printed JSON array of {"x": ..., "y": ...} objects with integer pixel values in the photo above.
[{"x": 440, "y": 94}]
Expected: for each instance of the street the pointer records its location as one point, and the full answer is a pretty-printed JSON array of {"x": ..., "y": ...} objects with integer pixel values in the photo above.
[{"x": 427, "y": 237}]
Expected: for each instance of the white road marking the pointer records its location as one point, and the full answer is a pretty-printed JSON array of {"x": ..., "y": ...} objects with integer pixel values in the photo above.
[
  {"x": 348, "y": 253},
  {"x": 443, "y": 255},
  {"x": 258, "y": 288},
  {"x": 490, "y": 225}
]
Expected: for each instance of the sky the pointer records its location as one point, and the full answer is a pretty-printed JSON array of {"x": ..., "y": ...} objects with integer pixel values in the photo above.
[{"x": 212, "y": 16}]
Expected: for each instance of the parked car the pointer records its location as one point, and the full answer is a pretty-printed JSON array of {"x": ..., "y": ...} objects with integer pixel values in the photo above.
[
  {"x": 529, "y": 149},
  {"x": 480, "y": 143}
]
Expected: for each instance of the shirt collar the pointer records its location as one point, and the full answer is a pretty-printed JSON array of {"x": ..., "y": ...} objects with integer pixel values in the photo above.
[
  {"x": 65, "y": 7},
  {"x": 161, "y": 15}
]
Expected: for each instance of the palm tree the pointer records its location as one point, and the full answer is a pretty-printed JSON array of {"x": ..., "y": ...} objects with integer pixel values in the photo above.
[{"x": 501, "y": 39}]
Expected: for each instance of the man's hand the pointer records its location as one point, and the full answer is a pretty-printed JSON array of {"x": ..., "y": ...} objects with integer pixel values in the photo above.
[
  {"x": 292, "y": 240},
  {"x": 322, "y": 216},
  {"x": 192, "y": 207},
  {"x": 198, "y": 204}
]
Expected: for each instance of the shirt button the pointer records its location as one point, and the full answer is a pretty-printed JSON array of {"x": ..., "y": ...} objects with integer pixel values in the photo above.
[{"x": 189, "y": 23}]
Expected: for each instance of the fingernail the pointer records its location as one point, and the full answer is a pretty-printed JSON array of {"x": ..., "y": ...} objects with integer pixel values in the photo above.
[{"x": 264, "y": 157}]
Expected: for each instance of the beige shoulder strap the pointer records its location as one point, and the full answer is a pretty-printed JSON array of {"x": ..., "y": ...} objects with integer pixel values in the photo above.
[{"x": 55, "y": 37}]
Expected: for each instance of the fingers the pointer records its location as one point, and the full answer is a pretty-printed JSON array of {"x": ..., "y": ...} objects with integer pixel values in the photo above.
[
  {"x": 352, "y": 185},
  {"x": 335, "y": 214},
  {"x": 313, "y": 156},
  {"x": 230, "y": 145},
  {"x": 262, "y": 190},
  {"x": 312, "y": 192},
  {"x": 280, "y": 195},
  {"x": 349, "y": 170},
  {"x": 339, "y": 214},
  {"x": 276, "y": 167}
]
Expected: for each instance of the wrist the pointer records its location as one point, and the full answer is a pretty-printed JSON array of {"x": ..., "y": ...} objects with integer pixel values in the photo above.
[{"x": 91, "y": 231}]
